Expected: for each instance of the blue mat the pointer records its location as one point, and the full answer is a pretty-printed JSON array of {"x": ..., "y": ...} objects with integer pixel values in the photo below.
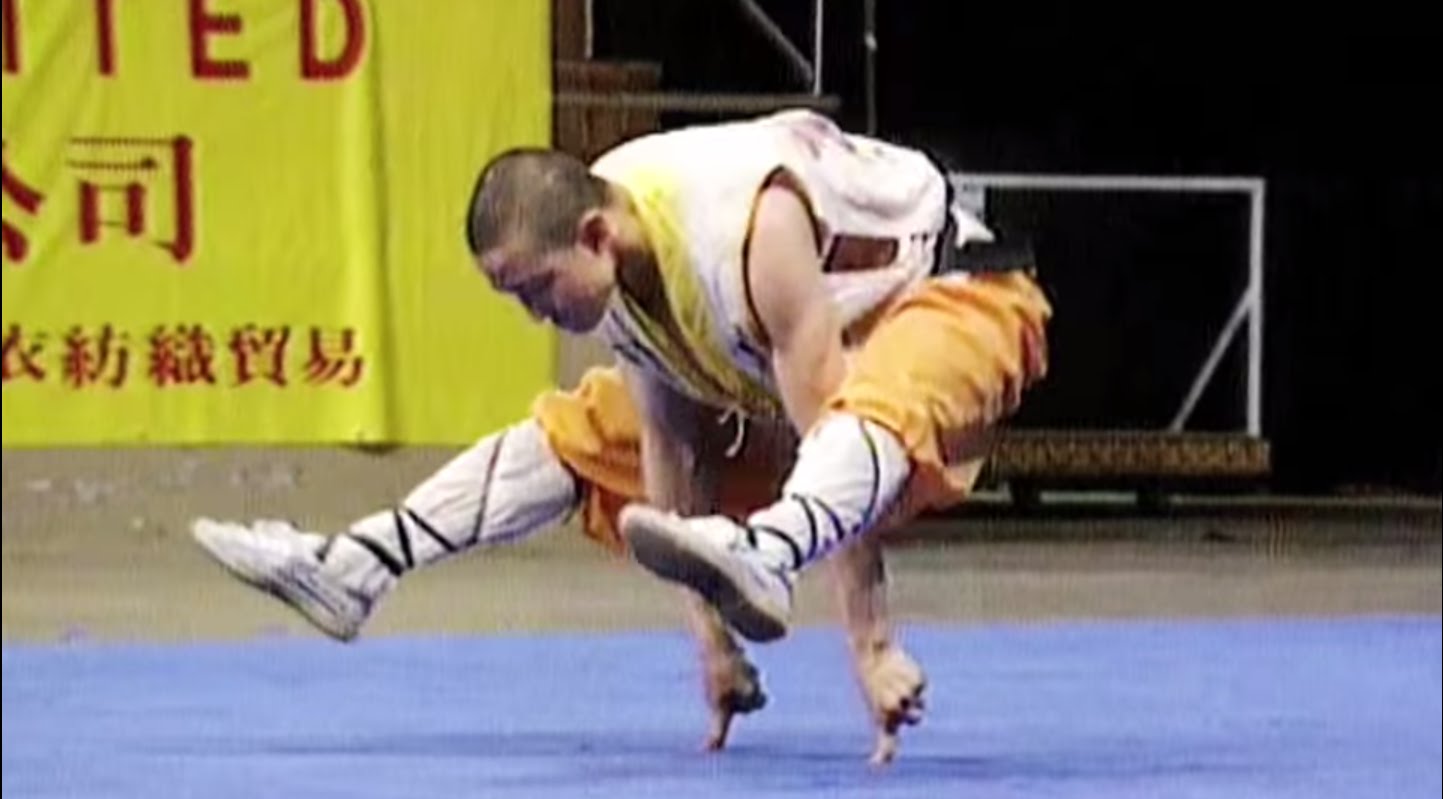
[{"x": 1316, "y": 709}]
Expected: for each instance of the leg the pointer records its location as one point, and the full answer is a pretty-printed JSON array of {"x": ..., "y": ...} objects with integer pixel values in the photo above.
[
  {"x": 579, "y": 452},
  {"x": 906, "y": 432},
  {"x": 507, "y": 486}
]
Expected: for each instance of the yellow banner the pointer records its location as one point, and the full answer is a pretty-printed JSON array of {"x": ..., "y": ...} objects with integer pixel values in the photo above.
[{"x": 231, "y": 221}]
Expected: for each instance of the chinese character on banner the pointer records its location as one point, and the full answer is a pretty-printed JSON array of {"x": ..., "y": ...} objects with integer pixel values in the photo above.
[
  {"x": 333, "y": 358},
  {"x": 117, "y": 177},
  {"x": 182, "y": 356},
  {"x": 27, "y": 199},
  {"x": 89, "y": 359},
  {"x": 22, "y": 356},
  {"x": 260, "y": 352}
]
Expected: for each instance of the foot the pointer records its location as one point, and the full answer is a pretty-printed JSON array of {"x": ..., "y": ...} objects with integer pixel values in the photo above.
[
  {"x": 714, "y": 557},
  {"x": 286, "y": 563}
]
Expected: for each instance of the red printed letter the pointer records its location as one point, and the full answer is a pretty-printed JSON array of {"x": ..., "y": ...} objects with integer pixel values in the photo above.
[
  {"x": 105, "y": 35},
  {"x": 313, "y": 66},
  {"x": 11, "y": 22},
  {"x": 202, "y": 25}
]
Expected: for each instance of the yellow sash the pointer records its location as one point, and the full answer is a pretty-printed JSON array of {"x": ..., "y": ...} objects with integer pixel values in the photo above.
[{"x": 698, "y": 360}]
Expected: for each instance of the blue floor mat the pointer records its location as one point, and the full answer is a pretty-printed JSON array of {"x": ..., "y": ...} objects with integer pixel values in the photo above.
[{"x": 1320, "y": 709}]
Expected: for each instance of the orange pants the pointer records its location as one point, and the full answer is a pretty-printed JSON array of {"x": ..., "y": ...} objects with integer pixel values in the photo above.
[{"x": 940, "y": 368}]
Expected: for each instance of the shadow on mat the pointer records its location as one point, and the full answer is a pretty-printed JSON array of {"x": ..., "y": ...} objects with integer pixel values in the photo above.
[{"x": 774, "y": 762}]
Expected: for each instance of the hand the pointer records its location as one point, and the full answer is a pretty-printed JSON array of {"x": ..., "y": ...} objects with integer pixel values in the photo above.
[
  {"x": 892, "y": 684},
  {"x": 733, "y": 686}
]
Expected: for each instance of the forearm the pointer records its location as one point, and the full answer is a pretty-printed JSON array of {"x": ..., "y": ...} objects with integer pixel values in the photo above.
[
  {"x": 859, "y": 579},
  {"x": 677, "y": 476},
  {"x": 707, "y": 627},
  {"x": 678, "y": 465},
  {"x": 892, "y": 683},
  {"x": 809, "y": 371}
]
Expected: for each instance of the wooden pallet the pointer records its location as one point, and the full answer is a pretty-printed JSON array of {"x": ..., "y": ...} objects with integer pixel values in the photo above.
[{"x": 1039, "y": 456}]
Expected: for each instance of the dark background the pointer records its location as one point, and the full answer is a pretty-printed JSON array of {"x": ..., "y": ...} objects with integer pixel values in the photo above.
[{"x": 1330, "y": 108}]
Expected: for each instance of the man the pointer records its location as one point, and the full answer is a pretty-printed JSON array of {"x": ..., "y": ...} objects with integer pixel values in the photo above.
[
  {"x": 603, "y": 249},
  {"x": 579, "y": 453},
  {"x": 506, "y": 487},
  {"x": 775, "y": 269}
]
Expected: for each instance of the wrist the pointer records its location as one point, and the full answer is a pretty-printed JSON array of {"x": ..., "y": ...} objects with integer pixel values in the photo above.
[{"x": 870, "y": 641}]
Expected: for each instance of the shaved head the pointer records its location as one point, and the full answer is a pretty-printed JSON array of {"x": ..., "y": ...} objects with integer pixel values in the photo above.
[{"x": 531, "y": 198}]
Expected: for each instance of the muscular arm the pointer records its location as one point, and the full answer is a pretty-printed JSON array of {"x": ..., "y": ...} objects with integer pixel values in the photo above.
[
  {"x": 680, "y": 467},
  {"x": 792, "y": 305},
  {"x": 860, "y": 580},
  {"x": 805, "y": 334},
  {"x": 891, "y": 681},
  {"x": 679, "y": 464}
]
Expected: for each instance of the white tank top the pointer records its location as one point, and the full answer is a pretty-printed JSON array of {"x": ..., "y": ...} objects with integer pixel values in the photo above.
[{"x": 695, "y": 190}]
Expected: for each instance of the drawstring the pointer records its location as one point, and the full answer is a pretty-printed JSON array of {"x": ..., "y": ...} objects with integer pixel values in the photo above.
[{"x": 735, "y": 412}]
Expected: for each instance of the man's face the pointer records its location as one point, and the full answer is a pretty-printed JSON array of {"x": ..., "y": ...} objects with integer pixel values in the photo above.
[{"x": 569, "y": 287}]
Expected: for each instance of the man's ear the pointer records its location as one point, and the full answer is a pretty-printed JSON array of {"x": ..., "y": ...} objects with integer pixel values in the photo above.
[{"x": 593, "y": 230}]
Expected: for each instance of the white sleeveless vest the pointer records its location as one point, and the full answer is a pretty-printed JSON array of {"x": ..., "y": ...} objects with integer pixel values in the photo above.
[{"x": 695, "y": 189}]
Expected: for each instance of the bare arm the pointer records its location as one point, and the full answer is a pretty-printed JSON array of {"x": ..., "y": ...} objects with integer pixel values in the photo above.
[
  {"x": 891, "y": 681},
  {"x": 792, "y": 305},
  {"x": 806, "y": 339},
  {"x": 805, "y": 335},
  {"x": 860, "y": 579},
  {"x": 680, "y": 465}
]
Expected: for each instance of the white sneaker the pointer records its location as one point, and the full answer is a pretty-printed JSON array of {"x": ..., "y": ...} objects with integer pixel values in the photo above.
[
  {"x": 285, "y": 562},
  {"x": 712, "y": 556}
]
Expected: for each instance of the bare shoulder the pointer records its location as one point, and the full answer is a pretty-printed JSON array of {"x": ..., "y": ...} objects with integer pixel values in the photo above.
[
  {"x": 783, "y": 215},
  {"x": 783, "y": 261}
]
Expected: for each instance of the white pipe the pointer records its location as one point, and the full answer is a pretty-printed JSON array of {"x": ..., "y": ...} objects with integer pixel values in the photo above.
[
  {"x": 1255, "y": 330},
  {"x": 817, "y": 30},
  {"x": 1115, "y": 182}
]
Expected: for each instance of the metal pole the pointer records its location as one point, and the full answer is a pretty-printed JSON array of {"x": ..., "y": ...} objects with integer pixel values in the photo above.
[
  {"x": 769, "y": 29},
  {"x": 1255, "y": 328},
  {"x": 1250, "y": 307},
  {"x": 869, "y": 42},
  {"x": 589, "y": 13},
  {"x": 699, "y": 102},
  {"x": 1116, "y": 182},
  {"x": 818, "y": 27},
  {"x": 1205, "y": 375}
]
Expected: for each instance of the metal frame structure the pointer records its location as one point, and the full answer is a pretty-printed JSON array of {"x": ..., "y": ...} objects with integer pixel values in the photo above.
[
  {"x": 1249, "y": 306},
  {"x": 808, "y": 72}
]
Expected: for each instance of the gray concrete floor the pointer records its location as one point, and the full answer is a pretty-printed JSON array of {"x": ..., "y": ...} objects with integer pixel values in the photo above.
[{"x": 95, "y": 546}]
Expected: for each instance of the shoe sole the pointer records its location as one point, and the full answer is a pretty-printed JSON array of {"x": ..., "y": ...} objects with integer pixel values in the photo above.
[
  {"x": 655, "y": 546},
  {"x": 295, "y": 593}
]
